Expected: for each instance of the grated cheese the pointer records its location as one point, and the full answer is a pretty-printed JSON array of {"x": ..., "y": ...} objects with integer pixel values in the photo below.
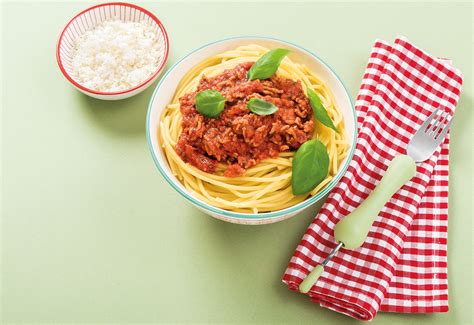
[{"x": 116, "y": 55}]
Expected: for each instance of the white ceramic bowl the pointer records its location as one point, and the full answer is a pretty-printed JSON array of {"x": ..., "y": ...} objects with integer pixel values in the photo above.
[
  {"x": 89, "y": 18},
  {"x": 166, "y": 88}
]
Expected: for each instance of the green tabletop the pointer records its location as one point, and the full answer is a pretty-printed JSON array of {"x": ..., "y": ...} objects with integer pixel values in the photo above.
[{"x": 91, "y": 232}]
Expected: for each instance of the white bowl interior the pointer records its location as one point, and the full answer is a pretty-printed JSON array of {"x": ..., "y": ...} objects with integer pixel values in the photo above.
[
  {"x": 94, "y": 16},
  {"x": 166, "y": 89}
]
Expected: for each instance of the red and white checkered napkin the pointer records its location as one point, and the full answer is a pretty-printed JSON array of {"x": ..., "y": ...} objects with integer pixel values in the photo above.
[{"x": 402, "y": 266}]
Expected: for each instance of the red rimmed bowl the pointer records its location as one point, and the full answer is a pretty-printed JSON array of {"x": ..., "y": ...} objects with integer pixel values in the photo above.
[{"x": 91, "y": 17}]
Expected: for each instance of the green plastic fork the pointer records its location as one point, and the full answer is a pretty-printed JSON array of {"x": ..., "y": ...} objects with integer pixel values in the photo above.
[{"x": 352, "y": 230}]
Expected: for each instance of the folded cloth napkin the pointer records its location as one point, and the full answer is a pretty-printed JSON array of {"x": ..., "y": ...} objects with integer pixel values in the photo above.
[{"x": 402, "y": 265}]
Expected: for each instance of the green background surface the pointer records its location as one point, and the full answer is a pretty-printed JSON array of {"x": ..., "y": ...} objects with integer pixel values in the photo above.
[{"x": 92, "y": 233}]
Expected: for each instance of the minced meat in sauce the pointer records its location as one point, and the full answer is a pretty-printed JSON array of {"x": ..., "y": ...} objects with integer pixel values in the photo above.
[{"x": 239, "y": 137}]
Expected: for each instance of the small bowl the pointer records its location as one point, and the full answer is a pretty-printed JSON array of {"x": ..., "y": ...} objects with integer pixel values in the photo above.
[
  {"x": 93, "y": 16},
  {"x": 166, "y": 88}
]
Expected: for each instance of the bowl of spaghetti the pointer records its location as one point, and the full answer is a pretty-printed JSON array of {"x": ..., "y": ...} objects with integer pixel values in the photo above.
[{"x": 251, "y": 130}]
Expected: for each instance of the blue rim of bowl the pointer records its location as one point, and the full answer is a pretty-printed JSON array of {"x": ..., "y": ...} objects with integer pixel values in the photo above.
[{"x": 251, "y": 216}]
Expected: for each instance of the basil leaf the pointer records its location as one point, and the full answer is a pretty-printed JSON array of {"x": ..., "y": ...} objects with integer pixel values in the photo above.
[
  {"x": 261, "y": 107},
  {"x": 310, "y": 167},
  {"x": 267, "y": 65},
  {"x": 319, "y": 110},
  {"x": 210, "y": 103}
]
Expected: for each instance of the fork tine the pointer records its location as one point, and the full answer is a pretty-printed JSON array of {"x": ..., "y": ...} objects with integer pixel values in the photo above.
[
  {"x": 426, "y": 124},
  {"x": 444, "y": 131},
  {"x": 437, "y": 122},
  {"x": 424, "y": 142}
]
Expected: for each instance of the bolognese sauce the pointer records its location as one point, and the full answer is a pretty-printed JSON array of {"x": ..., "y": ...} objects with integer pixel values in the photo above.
[{"x": 238, "y": 137}]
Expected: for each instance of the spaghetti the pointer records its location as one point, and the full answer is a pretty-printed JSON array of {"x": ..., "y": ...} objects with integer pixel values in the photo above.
[{"x": 266, "y": 186}]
